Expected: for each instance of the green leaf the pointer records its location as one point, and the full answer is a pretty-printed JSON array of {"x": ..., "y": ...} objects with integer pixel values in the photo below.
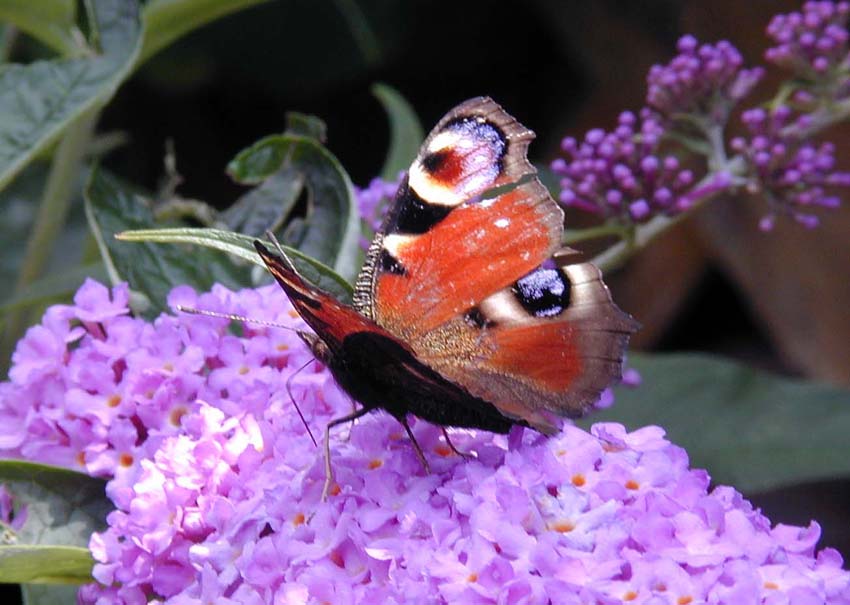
[
  {"x": 361, "y": 30},
  {"x": 39, "y": 564},
  {"x": 18, "y": 206},
  {"x": 242, "y": 246},
  {"x": 54, "y": 287},
  {"x": 406, "y": 133},
  {"x": 48, "y": 594},
  {"x": 306, "y": 125},
  {"x": 749, "y": 429},
  {"x": 265, "y": 207},
  {"x": 52, "y": 22},
  {"x": 331, "y": 228},
  {"x": 168, "y": 20},
  {"x": 152, "y": 271},
  {"x": 63, "y": 507},
  {"x": 38, "y": 101}
]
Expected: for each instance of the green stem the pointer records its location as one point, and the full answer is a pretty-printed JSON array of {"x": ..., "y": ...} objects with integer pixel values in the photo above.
[
  {"x": 8, "y": 37},
  {"x": 52, "y": 212},
  {"x": 56, "y": 199},
  {"x": 635, "y": 238},
  {"x": 820, "y": 120},
  {"x": 639, "y": 236},
  {"x": 717, "y": 159},
  {"x": 575, "y": 236}
]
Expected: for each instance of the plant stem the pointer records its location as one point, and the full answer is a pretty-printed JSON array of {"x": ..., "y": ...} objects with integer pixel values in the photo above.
[
  {"x": 634, "y": 239},
  {"x": 52, "y": 212},
  {"x": 574, "y": 236},
  {"x": 56, "y": 199},
  {"x": 820, "y": 120},
  {"x": 717, "y": 158},
  {"x": 640, "y": 236}
]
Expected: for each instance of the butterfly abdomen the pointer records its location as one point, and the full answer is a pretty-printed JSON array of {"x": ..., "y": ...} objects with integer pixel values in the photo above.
[{"x": 379, "y": 372}]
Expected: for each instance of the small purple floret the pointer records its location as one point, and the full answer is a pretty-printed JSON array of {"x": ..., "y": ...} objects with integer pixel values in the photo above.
[
  {"x": 624, "y": 174},
  {"x": 702, "y": 81},
  {"x": 373, "y": 202},
  {"x": 793, "y": 174},
  {"x": 813, "y": 43}
]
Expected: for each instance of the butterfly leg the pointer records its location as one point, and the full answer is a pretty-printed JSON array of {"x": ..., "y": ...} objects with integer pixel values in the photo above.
[
  {"x": 347, "y": 437},
  {"x": 419, "y": 453},
  {"x": 452, "y": 445},
  {"x": 292, "y": 399},
  {"x": 329, "y": 472}
]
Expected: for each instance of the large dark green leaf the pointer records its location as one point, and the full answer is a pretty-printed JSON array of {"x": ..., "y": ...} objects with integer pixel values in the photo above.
[
  {"x": 405, "y": 131},
  {"x": 55, "y": 287},
  {"x": 749, "y": 429},
  {"x": 38, "y": 101},
  {"x": 168, "y": 20},
  {"x": 63, "y": 508},
  {"x": 48, "y": 594},
  {"x": 151, "y": 270},
  {"x": 42, "y": 564},
  {"x": 306, "y": 125},
  {"x": 266, "y": 206},
  {"x": 331, "y": 229},
  {"x": 18, "y": 206},
  {"x": 50, "y": 21},
  {"x": 242, "y": 246}
]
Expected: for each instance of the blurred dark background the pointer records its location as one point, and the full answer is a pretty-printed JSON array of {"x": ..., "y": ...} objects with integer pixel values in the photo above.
[{"x": 714, "y": 283}]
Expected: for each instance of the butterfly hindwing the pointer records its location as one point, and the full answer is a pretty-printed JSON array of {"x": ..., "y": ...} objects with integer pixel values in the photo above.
[{"x": 550, "y": 343}]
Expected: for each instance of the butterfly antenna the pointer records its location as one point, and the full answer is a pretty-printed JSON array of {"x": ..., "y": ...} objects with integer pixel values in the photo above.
[
  {"x": 298, "y": 409},
  {"x": 230, "y": 316},
  {"x": 271, "y": 324},
  {"x": 283, "y": 255}
]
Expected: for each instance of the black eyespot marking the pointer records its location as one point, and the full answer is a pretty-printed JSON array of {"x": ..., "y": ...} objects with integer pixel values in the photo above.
[
  {"x": 433, "y": 162},
  {"x": 476, "y": 318},
  {"x": 413, "y": 215},
  {"x": 543, "y": 293},
  {"x": 389, "y": 264}
]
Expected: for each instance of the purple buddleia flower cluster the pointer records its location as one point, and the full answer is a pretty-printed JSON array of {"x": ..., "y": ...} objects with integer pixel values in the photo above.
[
  {"x": 217, "y": 483},
  {"x": 702, "y": 82},
  {"x": 813, "y": 43},
  {"x": 795, "y": 177},
  {"x": 625, "y": 175},
  {"x": 372, "y": 204},
  {"x": 90, "y": 383},
  {"x": 633, "y": 173},
  {"x": 619, "y": 175}
]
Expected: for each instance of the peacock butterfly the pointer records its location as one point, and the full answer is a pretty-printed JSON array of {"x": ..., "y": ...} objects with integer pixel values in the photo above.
[{"x": 467, "y": 312}]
